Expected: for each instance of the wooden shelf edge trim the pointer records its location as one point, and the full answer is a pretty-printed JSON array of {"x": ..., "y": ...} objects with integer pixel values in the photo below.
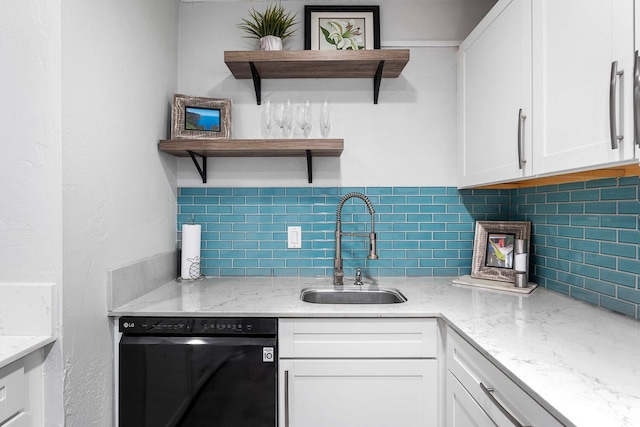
[{"x": 590, "y": 175}]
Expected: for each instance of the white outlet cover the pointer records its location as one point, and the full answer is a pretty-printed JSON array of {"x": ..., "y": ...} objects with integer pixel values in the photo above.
[{"x": 294, "y": 237}]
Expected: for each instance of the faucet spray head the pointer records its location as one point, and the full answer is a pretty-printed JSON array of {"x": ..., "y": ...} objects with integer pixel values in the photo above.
[{"x": 373, "y": 253}]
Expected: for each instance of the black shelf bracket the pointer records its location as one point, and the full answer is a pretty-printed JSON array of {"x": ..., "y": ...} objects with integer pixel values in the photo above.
[
  {"x": 201, "y": 170},
  {"x": 309, "y": 166},
  {"x": 257, "y": 84},
  {"x": 376, "y": 82}
]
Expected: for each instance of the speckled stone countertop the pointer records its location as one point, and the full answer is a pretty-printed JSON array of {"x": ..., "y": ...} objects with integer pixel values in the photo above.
[{"x": 580, "y": 361}]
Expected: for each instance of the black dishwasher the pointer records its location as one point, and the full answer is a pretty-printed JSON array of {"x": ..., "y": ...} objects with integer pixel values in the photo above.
[{"x": 219, "y": 372}]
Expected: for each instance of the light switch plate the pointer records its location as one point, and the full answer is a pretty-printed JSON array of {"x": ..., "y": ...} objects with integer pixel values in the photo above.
[{"x": 294, "y": 237}]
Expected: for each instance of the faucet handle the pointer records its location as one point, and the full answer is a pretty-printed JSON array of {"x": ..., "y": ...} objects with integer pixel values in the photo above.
[{"x": 358, "y": 280}]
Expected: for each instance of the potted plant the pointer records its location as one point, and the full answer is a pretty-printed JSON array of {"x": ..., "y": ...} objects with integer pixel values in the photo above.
[{"x": 270, "y": 27}]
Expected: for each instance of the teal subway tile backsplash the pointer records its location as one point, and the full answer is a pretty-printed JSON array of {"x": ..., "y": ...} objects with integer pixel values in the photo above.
[{"x": 584, "y": 241}]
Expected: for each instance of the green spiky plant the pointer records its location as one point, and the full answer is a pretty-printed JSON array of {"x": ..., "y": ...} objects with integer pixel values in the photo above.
[{"x": 274, "y": 21}]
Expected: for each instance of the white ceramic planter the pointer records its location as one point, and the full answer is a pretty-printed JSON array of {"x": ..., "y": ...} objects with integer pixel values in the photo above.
[{"x": 270, "y": 43}]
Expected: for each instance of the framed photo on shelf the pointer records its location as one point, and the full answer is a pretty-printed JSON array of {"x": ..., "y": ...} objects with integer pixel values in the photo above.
[
  {"x": 341, "y": 27},
  {"x": 493, "y": 255},
  {"x": 200, "y": 118}
]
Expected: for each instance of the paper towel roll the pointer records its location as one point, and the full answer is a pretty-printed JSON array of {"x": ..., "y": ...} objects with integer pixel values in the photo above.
[{"x": 190, "y": 261}]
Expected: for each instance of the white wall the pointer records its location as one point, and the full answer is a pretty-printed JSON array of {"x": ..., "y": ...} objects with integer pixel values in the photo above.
[
  {"x": 409, "y": 138},
  {"x": 30, "y": 163},
  {"x": 119, "y": 193}
]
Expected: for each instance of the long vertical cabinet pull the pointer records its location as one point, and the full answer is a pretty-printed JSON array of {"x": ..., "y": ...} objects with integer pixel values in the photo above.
[
  {"x": 489, "y": 393},
  {"x": 636, "y": 98},
  {"x": 613, "y": 98},
  {"x": 286, "y": 398},
  {"x": 521, "y": 159}
]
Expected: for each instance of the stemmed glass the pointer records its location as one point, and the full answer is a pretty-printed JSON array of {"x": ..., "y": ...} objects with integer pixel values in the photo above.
[
  {"x": 266, "y": 121},
  {"x": 282, "y": 118},
  {"x": 325, "y": 119},
  {"x": 303, "y": 118}
]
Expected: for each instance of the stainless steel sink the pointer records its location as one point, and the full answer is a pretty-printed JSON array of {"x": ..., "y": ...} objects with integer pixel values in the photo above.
[{"x": 352, "y": 296}]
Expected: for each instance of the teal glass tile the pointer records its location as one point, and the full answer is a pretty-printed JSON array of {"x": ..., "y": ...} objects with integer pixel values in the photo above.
[
  {"x": 272, "y": 244},
  {"x": 600, "y": 260},
  {"x": 405, "y": 226},
  {"x": 232, "y": 272},
  {"x": 568, "y": 255},
  {"x": 618, "y": 277},
  {"x": 632, "y": 208},
  {"x": 600, "y": 208},
  {"x": 619, "y": 193},
  {"x": 245, "y": 263},
  {"x": 406, "y": 190},
  {"x": 570, "y": 208},
  {"x": 445, "y": 272},
  {"x": 585, "y": 245},
  {"x": 217, "y": 244},
  {"x": 619, "y": 221},
  {"x": 188, "y": 191},
  {"x": 546, "y": 208},
  {"x": 535, "y": 198},
  {"x": 455, "y": 226},
  {"x": 630, "y": 266},
  {"x": 571, "y": 186},
  {"x": 600, "y": 234},
  {"x": 433, "y": 262},
  {"x": 216, "y": 209},
  {"x": 434, "y": 191},
  {"x": 621, "y": 250},
  {"x": 558, "y": 264},
  {"x": 577, "y": 232},
  {"x": 558, "y": 197},
  {"x": 189, "y": 209},
  {"x": 272, "y": 191},
  {"x": 617, "y": 305},
  {"x": 585, "y": 220},
  {"x": 571, "y": 279},
  {"x": 346, "y": 190},
  {"x": 239, "y": 210},
  {"x": 185, "y": 200},
  {"x": 232, "y": 254},
  {"x": 379, "y": 191},
  {"x": 299, "y": 191},
  {"x": 422, "y": 217},
  {"x": 632, "y": 295},
  {"x": 271, "y": 263},
  {"x": 585, "y": 270},
  {"x": 285, "y": 200},
  {"x": 433, "y": 208},
  {"x": 557, "y": 286},
  {"x": 266, "y": 210},
  {"x": 243, "y": 244},
  {"x": 547, "y": 230},
  {"x": 420, "y": 200},
  {"x": 213, "y": 191},
  {"x": 558, "y": 242},
  {"x": 448, "y": 254},
  {"x": 581, "y": 294},
  {"x": 626, "y": 236}
]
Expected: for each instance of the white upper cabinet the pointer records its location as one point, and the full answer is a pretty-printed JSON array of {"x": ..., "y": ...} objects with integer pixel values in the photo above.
[
  {"x": 494, "y": 89},
  {"x": 577, "y": 94},
  {"x": 569, "y": 66}
]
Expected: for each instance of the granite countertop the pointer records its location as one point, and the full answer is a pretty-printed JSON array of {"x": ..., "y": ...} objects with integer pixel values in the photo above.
[{"x": 580, "y": 361}]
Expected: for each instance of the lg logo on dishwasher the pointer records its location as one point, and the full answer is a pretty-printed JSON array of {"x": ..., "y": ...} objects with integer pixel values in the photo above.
[{"x": 267, "y": 354}]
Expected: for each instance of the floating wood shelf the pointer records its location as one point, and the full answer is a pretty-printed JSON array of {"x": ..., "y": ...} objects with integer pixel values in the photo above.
[
  {"x": 251, "y": 148},
  {"x": 301, "y": 64}
]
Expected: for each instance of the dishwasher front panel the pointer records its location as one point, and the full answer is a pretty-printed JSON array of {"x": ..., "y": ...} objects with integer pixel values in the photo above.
[{"x": 197, "y": 381}]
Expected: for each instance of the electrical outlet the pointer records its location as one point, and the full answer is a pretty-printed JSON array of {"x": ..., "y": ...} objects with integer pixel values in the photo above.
[{"x": 294, "y": 237}]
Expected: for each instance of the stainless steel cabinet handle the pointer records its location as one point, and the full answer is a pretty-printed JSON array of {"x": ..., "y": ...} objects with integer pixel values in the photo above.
[
  {"x": 286, "y": 398},
  {"x": 613, "y": 97},
  {"x": 521, "y": 159},
  {"x": 489, "y": 392},
  {"x": 636, "y": 98}
]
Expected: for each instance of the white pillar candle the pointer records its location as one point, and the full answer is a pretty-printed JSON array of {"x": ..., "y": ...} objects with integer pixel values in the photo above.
[{"x": 190, "y": 260}]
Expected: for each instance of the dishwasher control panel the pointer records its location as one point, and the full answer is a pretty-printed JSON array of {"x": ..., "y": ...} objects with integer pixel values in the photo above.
[{"x": 198, "y": 325}]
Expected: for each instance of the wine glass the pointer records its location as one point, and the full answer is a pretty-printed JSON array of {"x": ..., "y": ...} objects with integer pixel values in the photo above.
[
  {"x": 325, "y": 119},
  {"x": 303, "y": 118},
  {"x": 266, "y": 121},
  {"x": 282, "y": 118}
]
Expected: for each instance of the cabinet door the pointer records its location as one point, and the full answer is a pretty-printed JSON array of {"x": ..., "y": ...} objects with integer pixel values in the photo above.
[
  {"x": 462, "y": 410},
  {"x": 575, "y": 43},
  {"x": 358, "y": 393},
  {"x": 494, "y": 84}
]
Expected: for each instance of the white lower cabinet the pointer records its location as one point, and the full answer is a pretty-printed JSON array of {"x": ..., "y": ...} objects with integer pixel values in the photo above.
[
  {"x": 462, "y": 410},
  {"x": 22, "y": 392},
  {"x": 358, "y": 372},
  {"x": 480, "y": 394}
]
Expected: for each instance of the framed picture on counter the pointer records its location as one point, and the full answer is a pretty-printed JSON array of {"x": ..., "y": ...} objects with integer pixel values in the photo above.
[
  {"x": 200, "y": 118},
  {"x": 493, "y": 248},
  {"x": 341, "y": 27}
]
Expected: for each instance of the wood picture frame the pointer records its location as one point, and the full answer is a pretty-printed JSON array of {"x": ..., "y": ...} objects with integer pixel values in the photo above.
[
  {"x": 356, "y": 27},
  {"x": 195, "y": 117},
  {"x": 493, "y": 248}
]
